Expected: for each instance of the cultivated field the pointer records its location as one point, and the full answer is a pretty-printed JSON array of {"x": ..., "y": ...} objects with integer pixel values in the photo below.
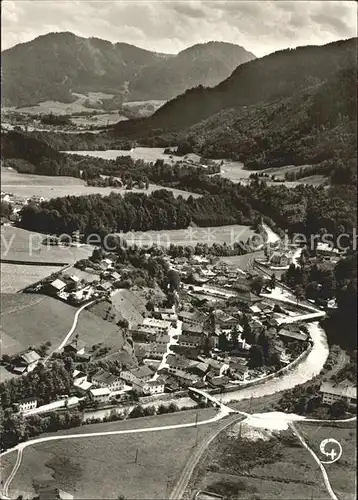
[
  {"x": 250, "y": 469},
  {"x": 191, "y": 236},
  {"x": 38, "y": 318},
  {"x": 342, "y": 474},
  {"x": 103, "y": 467},
  {"x": 27, "y": 185}
]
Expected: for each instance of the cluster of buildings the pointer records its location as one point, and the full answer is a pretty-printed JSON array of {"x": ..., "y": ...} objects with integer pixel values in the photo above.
[{"x": 70, "y": 288}]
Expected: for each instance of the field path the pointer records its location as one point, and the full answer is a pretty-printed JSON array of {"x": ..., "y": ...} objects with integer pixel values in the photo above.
[
  {"x": 73, "y": 328},
  {"x": 20, "y": 447},
  {"x": 317, "y": 460}
]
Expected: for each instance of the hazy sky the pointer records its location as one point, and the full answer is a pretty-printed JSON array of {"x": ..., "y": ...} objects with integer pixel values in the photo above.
[{"x": 168, "y": 26}]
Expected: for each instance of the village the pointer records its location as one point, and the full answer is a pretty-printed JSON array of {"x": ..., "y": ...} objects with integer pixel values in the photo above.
[{"x": 224, "y": 330}]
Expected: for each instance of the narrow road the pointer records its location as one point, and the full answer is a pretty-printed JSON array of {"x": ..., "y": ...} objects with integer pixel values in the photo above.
[
  {"x": 21, "y": 446},
  {"x": 73, "y": 328}
]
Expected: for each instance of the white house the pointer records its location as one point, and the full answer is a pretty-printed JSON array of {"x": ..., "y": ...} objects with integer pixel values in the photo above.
[
  {"x": 332, "y": 393},
  {"x": 106, "y": 379},
  {"x": 27, "y": 404},
  {"x": 149, "y": 388},
  {"x": 100, "y": 395}
]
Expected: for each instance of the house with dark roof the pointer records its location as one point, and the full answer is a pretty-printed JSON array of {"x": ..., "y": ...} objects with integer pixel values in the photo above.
[
  {"x": 26, "y": 404},
  {"x": 25, "y": 362},
  {"x": 143, "y": 373},
  {"x": 189, "y": 340},
  {"x": 104, "y": 378},
  {"x": 220, "y": 381}
]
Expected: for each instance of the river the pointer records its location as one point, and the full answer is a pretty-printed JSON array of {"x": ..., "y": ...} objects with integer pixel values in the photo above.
[{"x": 309, "y": 368}]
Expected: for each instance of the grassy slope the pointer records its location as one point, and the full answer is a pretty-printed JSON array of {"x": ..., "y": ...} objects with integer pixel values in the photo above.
[
  {"x": 342, "y": 474},
  {"x": 27, "y": 185},
  {"x": 103, "y": 467},
  {"x": 51, "y": 319},
  {"x": 19, "y": 244}
]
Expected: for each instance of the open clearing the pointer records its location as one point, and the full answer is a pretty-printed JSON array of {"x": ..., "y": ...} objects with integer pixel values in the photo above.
[
  {"x": 103, "y": 467},
  {"x": 236, "y": 172},
  {"x": 33, "y": 322},
  {"x": 146, "y": 154},
  {"x": 191, "y": 236},
  {"x": 342, "y": 474},
  {"x": 26, "y": 185},
  {"x": 278, "y": 470}
]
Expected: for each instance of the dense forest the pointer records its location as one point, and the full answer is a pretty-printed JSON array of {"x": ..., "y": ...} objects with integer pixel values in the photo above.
[
  {"x": 133, "y": 212},
  {"x": 322, "y": 282},
  {"x": 276, "y": 76}
]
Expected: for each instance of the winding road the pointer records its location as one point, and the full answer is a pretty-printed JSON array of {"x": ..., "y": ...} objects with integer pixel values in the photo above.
[{"x": 73, "y": 328}]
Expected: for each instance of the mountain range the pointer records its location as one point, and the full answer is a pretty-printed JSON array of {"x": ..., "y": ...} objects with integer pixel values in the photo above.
[
  {"x": 56, "y": 65},
  {"x": 292, "y": 106}
]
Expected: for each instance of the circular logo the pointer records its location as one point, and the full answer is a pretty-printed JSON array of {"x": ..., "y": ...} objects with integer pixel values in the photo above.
[{"x": 331, "y": 448}]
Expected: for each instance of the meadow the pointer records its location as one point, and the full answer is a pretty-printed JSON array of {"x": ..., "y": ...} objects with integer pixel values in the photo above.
[
  {"x": 145, "y": 154},
  {"x": 29, "y": 320},
  {"x": 26, "y": 185},
  {"x": 22, "y": 245},
  {"x": 236, "y": 172},
  {"x": 106, "y": 467}
]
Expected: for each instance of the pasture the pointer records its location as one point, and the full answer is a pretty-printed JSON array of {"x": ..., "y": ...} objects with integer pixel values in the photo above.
[
  {"x": 105, "y": 467},
  {"x": 29, "y": 320},
  {"x": 24, "y": 186}
]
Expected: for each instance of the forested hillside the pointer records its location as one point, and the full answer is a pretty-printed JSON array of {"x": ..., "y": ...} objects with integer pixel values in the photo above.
[
  {"x": 55, "y": 65},
  {"x": 291, "y": 107}
]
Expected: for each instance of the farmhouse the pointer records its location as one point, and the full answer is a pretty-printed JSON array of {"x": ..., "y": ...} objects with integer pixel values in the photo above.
[
  {"x": 189, "y": 340},
  {"x": 25, "y": 362},
  {"x": 156, "y": 351},
  {"x": 143, "y": 374},
  {"x": 56, "y": 286},
  {"x": 106, "y": 379}
]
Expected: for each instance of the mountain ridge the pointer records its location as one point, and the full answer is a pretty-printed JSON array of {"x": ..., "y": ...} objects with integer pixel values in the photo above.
[{"x": 54, "y": 65}]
